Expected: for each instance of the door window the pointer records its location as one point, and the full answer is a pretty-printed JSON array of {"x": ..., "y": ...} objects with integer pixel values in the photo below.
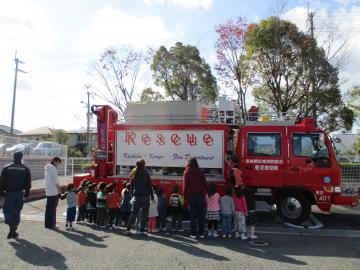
[
  {"x": 264, "y": 144},
  {"x": 312, "y": 146}
]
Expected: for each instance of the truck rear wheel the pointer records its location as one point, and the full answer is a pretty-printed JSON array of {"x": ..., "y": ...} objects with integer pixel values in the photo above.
[{"x": 294, "y": 207}]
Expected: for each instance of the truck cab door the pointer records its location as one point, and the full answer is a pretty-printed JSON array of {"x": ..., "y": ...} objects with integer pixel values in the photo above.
[
  {"x": 263, "y": 161},
  {"x": 311, "y": 165}
]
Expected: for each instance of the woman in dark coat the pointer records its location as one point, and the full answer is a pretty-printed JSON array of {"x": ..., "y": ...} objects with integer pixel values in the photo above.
[
  {"x": 141, "y": 191},
  {"x": 195, "y": 189}
]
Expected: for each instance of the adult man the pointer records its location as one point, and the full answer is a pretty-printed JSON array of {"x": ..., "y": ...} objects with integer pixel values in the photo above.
[
  {"x": 52, "y": 191},
  {"x": 15, "y": 178}
]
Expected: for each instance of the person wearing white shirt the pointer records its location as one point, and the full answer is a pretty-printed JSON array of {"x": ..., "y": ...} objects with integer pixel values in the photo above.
[{"x": 52, "y": 191}]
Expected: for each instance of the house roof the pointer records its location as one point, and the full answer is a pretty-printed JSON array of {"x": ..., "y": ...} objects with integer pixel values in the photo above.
[
  {"x": 6, "y": 129},
  {"x": 36, "y": 131},
  {"x": 347, "y": 141},
  {"x": 82, "y": 130}
]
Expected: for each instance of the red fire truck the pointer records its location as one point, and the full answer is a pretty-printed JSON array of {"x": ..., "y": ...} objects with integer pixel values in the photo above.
[{"x": 291, "y": 165}]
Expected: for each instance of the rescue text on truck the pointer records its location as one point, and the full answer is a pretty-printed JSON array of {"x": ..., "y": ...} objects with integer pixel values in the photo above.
[{"x": 292, "y": 165}]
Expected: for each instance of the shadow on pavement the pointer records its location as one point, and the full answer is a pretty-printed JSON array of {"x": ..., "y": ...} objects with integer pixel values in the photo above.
[
  {"x": 189, "y": 248},
  {"x": 268, "y": 253},
  {"x": 83, "y": 238},
  {"x": 39, "y": 256}
]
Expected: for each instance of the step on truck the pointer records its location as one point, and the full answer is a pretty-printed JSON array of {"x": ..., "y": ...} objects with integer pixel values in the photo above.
[{"x": 290, "y": 164}]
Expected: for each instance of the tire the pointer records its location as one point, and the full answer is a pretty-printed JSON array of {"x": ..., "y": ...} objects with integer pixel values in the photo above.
[{"x": 294, "y": 207}]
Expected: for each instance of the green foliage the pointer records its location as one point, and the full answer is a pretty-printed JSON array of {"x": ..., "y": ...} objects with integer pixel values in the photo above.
[
  {"x": 148, "y": 94},
  {"x": 184, "y": 74},
  {"x": 294, "y": 75},
  {"x": 56, "y": 135},
  {"x": 85, "y": 167},
  {"x": 354, "y": 102},
  {"x": 74, "y": 152}
]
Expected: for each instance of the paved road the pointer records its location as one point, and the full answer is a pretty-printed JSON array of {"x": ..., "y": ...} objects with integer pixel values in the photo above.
[{"x": 89, "y": 248}]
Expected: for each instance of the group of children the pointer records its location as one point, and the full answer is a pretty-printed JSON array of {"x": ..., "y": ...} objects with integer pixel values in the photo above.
[
  {"x": 102, "y": 206},
  {"x": 235, "y": 209}
]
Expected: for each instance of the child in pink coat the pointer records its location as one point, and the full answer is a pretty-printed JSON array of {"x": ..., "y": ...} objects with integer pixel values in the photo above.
[
  {"x": 213, "y": 210},
  {"x": 241, "y": 212}
]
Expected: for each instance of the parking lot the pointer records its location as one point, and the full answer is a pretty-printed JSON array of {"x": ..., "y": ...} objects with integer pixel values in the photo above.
[{"x": 335, "y": 246}]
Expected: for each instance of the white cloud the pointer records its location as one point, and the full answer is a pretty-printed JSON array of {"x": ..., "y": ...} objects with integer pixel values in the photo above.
[
  {"x": 190, "y": 4},
  {"x": 154, "y": 2},
  {"x": 342, "y": 22},
  {"x": 112, "y": 27},
  {"x": 26, "y": 27}
]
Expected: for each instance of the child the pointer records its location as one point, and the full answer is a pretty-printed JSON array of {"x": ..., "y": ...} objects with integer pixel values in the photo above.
[
  {"x": 251, "y": 218},
  {"x": 213, "y": 210},
  {"x": 227, "y": 212},
  {"x": 101, "y": 205},
  {"x": 236, "y": 175},
  {"x": 125, "y": 205},
  {"x": 81, "y": 202},
  {"x": 161, "y": 207},
  {"x": 70, "y": 197},
  {"x": 176, "y": 202},
  {"x": 153, "y": 213},
  {"x": 91, "y": 204},
  {"x": 240, "y": 213},
  {"x": 112, "y": 202}
]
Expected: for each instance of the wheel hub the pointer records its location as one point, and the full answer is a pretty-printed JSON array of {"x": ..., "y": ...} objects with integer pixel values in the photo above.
[{"x": 292, "y": 208}]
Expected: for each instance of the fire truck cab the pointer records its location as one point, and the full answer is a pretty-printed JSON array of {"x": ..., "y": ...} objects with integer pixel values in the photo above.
[{"x": 287, "y": 163}]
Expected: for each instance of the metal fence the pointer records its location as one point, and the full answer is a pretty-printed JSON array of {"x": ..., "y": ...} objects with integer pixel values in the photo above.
[
  {"x": 10, "y": 145},
  {"x": 350, "y": 170}
]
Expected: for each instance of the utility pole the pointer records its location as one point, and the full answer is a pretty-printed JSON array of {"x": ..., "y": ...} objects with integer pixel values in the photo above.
[
  {"x": 17, "y": 62},
  {"x": 87, "y": 86},
  {"x": 312, "y": 71}
]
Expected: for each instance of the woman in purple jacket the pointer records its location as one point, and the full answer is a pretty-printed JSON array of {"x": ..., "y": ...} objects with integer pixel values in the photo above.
[{"x": 194, "y": 189}]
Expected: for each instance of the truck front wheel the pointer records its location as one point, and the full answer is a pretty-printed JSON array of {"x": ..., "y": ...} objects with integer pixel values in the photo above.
[{"x": 294, "y": 207}]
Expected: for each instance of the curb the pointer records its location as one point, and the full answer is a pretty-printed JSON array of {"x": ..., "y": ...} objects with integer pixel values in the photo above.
[{"x": 35, "y": 194}]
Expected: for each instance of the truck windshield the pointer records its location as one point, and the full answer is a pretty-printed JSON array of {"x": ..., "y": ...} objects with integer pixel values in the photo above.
[{"x": 310, "y": 145}]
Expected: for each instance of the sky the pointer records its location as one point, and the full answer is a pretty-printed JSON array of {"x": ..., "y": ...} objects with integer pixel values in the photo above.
[{"x": 57, "y": 41}]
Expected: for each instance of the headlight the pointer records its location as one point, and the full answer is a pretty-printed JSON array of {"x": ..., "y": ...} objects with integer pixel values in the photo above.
[{"x": 337, "y": 189}]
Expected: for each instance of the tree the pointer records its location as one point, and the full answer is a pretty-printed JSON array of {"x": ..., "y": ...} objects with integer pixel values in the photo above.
[
  {"x": 232, "y": 65},
  {"x": 74, "y": 152},
  {"x": 118, "y": 72},
  {"x": 354, "y": 102},
  {"x": 286, "y": 61},
  {"x": 148, "y": 94},
  {"x": 56, "y": 135},
  {"x": 184, "y": 74}
]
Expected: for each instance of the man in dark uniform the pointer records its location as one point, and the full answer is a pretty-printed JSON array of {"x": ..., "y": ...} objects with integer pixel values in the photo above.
[{"x": 15, "y": 179}]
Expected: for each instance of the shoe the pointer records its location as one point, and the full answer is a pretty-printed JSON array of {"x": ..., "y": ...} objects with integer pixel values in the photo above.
[
  {"x": 127, "y": 233},
  {"x": 10, "y": 235},
  {"x": 230, "y": 236},
  {"x": 210, "y": 233},
  {"x": 254, "y": 237},
  {"x": 143, "y": 233},
  {"x": 111, "y": 228},
  {"x": 173, "y": 230},
  {"x": 67, "y": 229},
  {"x": 193, "y": 236},
  {"x": 243, "y": 237},
  {"x": 164, "y": 229},
  {"x": 237, "y": 235},
  {"x": 180, "y": 230},
  {"x": 216, "y": 234},
  {"x": 202, "y": 236},
  {"x": 155, "y": 230},
  {"x": 224, "y": 236}
]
